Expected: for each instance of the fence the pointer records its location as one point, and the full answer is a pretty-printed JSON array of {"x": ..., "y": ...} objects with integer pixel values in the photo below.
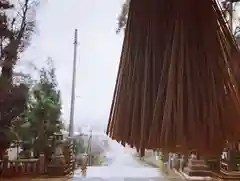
[{"x": 22, "y": 167}]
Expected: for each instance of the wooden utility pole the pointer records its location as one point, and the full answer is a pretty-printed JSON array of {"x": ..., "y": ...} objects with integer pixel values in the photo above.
[{"x": 71, "y": 125}]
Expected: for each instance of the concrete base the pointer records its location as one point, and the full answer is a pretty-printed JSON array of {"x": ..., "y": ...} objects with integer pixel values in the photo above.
[
  {"x": 197, "y": 168},
  {"x": 57, "y": 171},
  {"x": 196, "y": 173},
  {"x": 57, "y": 166},
  {"x": 233, "y": 175}
]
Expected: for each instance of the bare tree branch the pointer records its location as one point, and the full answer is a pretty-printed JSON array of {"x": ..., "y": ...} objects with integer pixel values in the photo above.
[{"x": 22, "y": 26}]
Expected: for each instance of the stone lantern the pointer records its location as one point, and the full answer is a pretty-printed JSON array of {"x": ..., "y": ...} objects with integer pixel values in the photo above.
[{"x": 58, "y": 163}]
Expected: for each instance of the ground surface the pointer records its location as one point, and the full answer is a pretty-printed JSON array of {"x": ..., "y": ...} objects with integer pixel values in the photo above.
[
  {"x": 36, "y": 179},
  {"x": 120, "y": 165}
]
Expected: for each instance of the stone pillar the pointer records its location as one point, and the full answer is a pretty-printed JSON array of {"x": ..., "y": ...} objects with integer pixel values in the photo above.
[
  {"x": 169, "y": 161},
  {"x": 176, "y": 161},
  {"x": 42, "y": 164},
  {"x": 5, "y": 163},
  {"x": 181, "y": 163}
]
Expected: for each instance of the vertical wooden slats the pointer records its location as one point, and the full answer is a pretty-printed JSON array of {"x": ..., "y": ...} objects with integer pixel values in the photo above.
[{"x": 176, "y": 88}]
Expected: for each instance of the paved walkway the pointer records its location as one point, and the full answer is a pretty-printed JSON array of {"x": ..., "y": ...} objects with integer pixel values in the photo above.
[
  {"x": 121, "y": 166},
  {"x": 123, "y": 172}
]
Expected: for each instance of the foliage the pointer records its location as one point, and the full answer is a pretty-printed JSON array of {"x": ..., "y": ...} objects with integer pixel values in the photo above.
[
  {"x": 16, "y": 27},
  {"x": 10, "y": 111},
  {"x": 79, "y": 146},
  {"x": 16, "y": 30},
  {"x": 122, "y": 18},
  {"x": 42, "y": 118}
]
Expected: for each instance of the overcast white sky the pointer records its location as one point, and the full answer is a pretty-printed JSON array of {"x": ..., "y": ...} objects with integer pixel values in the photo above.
[{"x": 98, "y": 53}]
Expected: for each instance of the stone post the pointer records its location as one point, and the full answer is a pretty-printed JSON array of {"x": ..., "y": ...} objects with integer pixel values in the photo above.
[
  {"x": 176, "y": 161},
  {"x": 42, "y": 164},
  {"x": 170, "y": 161},
  {"x": 5, "y": 163},
  {"x": 181, "y": 163}
]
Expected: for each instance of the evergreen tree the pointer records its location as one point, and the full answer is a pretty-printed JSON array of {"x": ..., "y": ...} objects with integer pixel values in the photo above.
[{"x": 43, "y": 117}]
